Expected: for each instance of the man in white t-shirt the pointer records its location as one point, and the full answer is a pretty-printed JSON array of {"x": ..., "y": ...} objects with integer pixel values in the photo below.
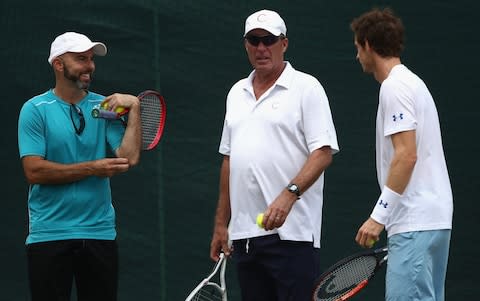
[
  {"x": 416, "y": 203},
  {"x": 277, "y": 140}
]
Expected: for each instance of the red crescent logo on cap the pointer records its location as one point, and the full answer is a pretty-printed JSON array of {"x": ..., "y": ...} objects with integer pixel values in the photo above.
[{"x": 261, "y": 18}]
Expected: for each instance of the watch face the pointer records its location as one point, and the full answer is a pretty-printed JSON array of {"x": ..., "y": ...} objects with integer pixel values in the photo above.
[{"x": 293, "y": 188}]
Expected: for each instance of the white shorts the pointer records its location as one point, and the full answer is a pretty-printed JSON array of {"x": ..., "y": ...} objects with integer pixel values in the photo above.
[{"x": 417, "y": 265}]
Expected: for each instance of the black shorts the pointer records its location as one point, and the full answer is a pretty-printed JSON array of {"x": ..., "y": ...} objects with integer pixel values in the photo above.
[
  {"x": 273, "y": 269},
  {"x": 53, "y": 265}
]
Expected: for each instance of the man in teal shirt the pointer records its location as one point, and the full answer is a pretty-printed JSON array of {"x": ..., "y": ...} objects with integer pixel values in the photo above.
[{"x": 64, "y": 156}]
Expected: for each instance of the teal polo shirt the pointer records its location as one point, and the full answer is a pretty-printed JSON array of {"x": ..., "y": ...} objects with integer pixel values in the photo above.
[{"x": 78, "y": 210}]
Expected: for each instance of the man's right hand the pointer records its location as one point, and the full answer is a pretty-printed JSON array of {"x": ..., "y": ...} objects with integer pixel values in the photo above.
[{"x": 219, "y": 243}]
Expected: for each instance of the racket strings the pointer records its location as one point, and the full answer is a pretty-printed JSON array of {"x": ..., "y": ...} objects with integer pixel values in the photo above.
[
  {"x": 208, "y": 293},
  {"x": 345, "y": 277},
  {"x": 151, "y": 114}
]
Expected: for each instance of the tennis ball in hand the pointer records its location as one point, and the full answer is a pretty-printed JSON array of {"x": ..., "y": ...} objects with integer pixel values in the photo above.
[
  {"x": 260, "y": 220},
  {"x": 117, "y": 110},
  {"x": 371, "y": 242}
]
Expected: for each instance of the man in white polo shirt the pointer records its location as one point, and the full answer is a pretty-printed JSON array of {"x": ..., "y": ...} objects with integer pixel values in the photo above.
[
  {"x": 416, "y": 203},
  {"x": 278, "y": 138}
]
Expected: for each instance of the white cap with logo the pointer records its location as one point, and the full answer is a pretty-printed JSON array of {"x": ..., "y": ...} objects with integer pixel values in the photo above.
[
  {"x": 267, "y": 20},
  {"x": 74, "y": 42}
]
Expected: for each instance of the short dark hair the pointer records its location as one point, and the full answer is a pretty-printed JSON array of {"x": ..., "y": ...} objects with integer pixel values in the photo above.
[{"x": 382, "y": 29}]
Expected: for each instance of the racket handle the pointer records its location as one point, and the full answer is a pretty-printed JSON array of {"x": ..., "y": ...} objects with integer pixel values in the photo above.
[{"x": 105, "y": 114}]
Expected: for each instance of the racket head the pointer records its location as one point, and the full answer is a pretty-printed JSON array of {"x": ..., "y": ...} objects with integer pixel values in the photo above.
[
  {"x": 209, "y": 290},
  {"x": 153, "y": 112},
  {"x": 348, "y": 276}
]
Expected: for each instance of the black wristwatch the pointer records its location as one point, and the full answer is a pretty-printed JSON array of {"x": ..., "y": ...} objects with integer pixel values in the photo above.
[{"x": 293, "y": 188}]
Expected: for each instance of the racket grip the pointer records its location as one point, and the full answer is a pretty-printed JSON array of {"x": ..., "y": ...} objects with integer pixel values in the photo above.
[{"x": 105, "y": 114}]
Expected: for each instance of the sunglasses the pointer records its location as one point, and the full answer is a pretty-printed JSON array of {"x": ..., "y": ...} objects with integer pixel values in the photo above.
[
  {"x": 266, "y": 40},
  {"x": 79, "y": 112}
]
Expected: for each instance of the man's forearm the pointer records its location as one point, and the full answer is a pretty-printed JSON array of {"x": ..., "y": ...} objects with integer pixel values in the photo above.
[
  {"x": 315, "y": 165},
  {"x": 132, "y": 139},
  {"x": 40, "y": 171}
]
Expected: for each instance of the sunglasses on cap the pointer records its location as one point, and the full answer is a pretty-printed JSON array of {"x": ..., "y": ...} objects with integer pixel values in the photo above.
[{"x": 268, "y": 40}]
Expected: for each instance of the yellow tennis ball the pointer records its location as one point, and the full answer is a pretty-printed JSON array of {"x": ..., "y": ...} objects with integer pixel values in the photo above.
[
  {"x": 260, "y": 220},
  {"x": 371, "y": 242},
  {"x": 117, "y": 110}
]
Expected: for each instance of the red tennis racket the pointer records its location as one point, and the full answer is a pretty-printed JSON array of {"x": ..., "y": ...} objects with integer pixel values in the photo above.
[{"x": 153, "y": 112}]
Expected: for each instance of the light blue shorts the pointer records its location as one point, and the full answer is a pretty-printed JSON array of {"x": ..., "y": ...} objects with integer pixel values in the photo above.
[{"x": 417, "y": 265}]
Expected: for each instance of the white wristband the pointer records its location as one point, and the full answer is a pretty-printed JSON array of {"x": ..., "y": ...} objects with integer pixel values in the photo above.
[{"x": 385, "y": 204}]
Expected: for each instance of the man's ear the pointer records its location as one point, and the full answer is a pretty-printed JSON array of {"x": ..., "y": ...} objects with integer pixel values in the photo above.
[
  {"x": 57, "y": 64},
  {"x": 285, "y": 44},
  {"x": 367, "y": 46}
]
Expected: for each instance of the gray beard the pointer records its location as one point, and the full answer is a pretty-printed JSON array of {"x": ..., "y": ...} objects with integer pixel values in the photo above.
[{"x": 75, "y": 79}]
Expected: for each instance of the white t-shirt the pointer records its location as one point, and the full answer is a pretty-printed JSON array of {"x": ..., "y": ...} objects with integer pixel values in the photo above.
[
  {"x": 405, "y": 103},
  {"x": 268, "y": 141}
]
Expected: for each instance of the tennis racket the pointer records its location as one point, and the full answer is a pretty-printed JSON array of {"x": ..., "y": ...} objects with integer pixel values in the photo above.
[
  {"x": 348, "y": 276},
  {"x": 207, "y": 290},
  {"x": 152, "y": 113}
]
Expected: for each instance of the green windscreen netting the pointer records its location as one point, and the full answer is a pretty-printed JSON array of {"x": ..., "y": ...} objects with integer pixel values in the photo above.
[{"x": 192, "y": 52}]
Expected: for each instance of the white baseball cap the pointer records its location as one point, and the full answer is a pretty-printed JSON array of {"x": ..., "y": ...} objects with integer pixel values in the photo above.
[
  {"x": 74, "y": 42},
  {"x": 268, "y": 20}
]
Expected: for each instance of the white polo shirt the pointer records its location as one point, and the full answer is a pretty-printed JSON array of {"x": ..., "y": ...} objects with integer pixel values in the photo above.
[
  {"x": 268, "y": 141},
  {"x": 405, "y": 103}
]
